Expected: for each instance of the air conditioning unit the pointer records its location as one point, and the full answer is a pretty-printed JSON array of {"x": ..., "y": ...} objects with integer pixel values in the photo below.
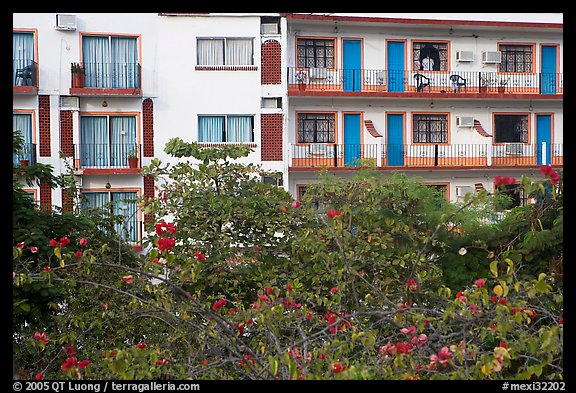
[
  {"x": 269, "y": 28},
  {"x": 461, "y": 191},
  {"x": 317, "y": 73},
  {"x": 65, "y": 22},
  {"x": 69, "y": 103},
  {"x": 464, "y": 121},
  {"x": 464, "y": 55},
  {"x": 514, "y": 149},
  {"x": 491, "y": 57}
]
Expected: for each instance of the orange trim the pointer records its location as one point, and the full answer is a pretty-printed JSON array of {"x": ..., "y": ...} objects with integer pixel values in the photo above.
[
  {"x": 361, "y": 128},
  {"x": 449, "y": 22},
  {"x": 448, "y": 131},
  {"x": 35, "y": 32},
  {"x": 445, "y": 184},
  {"x": 405, "y": 41},
  {"x": 137, "y": 36},
  {"x": 31, "y": 112},
  {"x": 335, "y": 127},
  {"x": 403, "y": 125},
  {"x": 335, "y": 39},
  {"x": 558, "y": 63},
  {"x": 528, "y": 114},
  {"x": 361, "y": 53},
  {"x": 34, "y": 192},
  {"x": 533, "y": 45}
]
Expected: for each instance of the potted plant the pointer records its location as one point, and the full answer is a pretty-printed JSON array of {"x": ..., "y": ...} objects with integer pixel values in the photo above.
[
  {"x": 24, "y": 162},
  {"x": 486, "y": 80},
  {"x": 502, "y": 85},
  {"x": 301, "y": 79},
  {"x": 133, "y": 159},
  {"x": 78, "y": 73}
]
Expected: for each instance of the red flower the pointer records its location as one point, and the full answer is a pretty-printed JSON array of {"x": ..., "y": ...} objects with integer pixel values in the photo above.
[
  {"x": 83, "y": 242},
  {"x": 554, "y": 178},
  {"x": 161, "y": 362},
  {"x": 83, "y": 363},
  {"x": 493, "y": 326},
  {"x": 199, "y": 256},
  {"x": 165, "y": 243},
  {"x": 20, "y": 245},
  {"x": 480, "y": 283},
  {"x": 403, "y": 347},
  {"x": 288, "y": 287},
  {"x": 129, "y": 279},
  {"x": 283, "y": 209},
  {"x": 70, "y": 350},
  {"x": 411, "y": 285},
  {"x": 78, "y": 254},
  {"x": 502, "y": 344},
  {"x": 547, "y": 170},
  {"x": 493, "y": 299},
  {"x": 218, "y": 303},
  {"x": 38, "y": 377},
  {"x": 47, "y": 269},
  {"x": 408, "y": 331},
  {"x": 205, "y": 362},
  {"x": 54, "y": 243},
  {"x": 163, "y": 227},
  {"x": 502, "y": 301},
  {"x": 338, "y": 368},
  {"x": 141, "y": 345},
  {"x": 41, "y": 337},
  {"x": 516, "y": 310},
  {"x": 264, "y": 298},
  {"x": 70, "y": 362},
  {"x": 33, "y": 249},
  {"x": 333, "y": 291},
  {"x": 64, "y": 241},
  {"x": 333, "y": 213},
  {"x": 295, "y": 204},
  {"x": 499, "y": 180},
  {"x": 268, "y": 290}
]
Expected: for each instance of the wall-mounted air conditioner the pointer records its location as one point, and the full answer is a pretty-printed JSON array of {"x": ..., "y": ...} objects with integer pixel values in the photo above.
[
  {"x": 65, "y": 22},
  {"x": 69, "y": 103},
  {"x": 317, "y": 73},
  {"x": 269, "y": 28},
  {"x": 464, "y": 121},
  {"x": 461, "y": 191},
  {"x": 491, "y": 57},
  {"x": 465, "y": 55},
  {"x": 514, "y": 149}
]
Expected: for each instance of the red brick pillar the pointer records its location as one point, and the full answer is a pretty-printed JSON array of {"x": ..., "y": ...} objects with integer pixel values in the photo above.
[
  {"x": 44, "y": 125},
  {"x": 148, "y": 127},
  {"x": 271, "y": 125},
  {"x": 271, "y": 63}
]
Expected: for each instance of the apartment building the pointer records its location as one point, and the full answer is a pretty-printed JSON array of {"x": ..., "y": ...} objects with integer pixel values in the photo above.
[{"x": 453, "y": 100}]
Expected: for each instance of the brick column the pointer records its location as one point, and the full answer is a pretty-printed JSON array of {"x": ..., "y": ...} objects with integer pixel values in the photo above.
[
  {"x": 44, "y": 125},
  {"x": 271, "y": 137},
  {"x": 271, "y": 63},
  {"x": 148, "y": 127}
]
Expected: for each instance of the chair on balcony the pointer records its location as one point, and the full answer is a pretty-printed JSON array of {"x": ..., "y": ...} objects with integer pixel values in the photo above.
[
  {"x": 422, "y": 81},
  {"x": 457, "y": 82},
  {"x": 24, "y": 76}
]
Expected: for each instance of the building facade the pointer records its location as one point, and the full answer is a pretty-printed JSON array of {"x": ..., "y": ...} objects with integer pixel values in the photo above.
[{"x": 455, "y": 102}]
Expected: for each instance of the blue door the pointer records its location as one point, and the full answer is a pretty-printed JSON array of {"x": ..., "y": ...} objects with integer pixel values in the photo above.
[
  {"x": 548, "y": 79},
  {"x": 543, "y": 132},
  {"x": 395, "y": 65},
  {"x": 395, "y": 146},
  {"x": 352, "y": 147},
  {"x": 352, "y": 65}
]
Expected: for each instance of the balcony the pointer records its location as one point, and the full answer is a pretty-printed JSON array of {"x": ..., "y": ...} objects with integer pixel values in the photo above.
[
  {"x": 107, "y": 79},
  {"x": 419, "y": 156},
  {"x": 107, "y": 158},
  {"x": 24, "y": 77},
  {"x": 26, "y": 156},
  {"x": 323, "y": 81}
]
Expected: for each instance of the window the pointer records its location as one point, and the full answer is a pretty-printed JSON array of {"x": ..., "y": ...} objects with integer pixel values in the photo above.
[
  {"x": 225, "y": 51},
  {"x": 23, "y": 123},
  {"x": 516, "y": 194},
  {"x": 107, "y": 140},
  {"x": 273, "y": 180},
  {"x": 516, "y": 58},
  {"x": 120, "y": 204},
  {"x": 316, "y": 127},
  {"x": 226, "y": 128},
  {"x": 314, "y": 52},
  {"x": 430, "y": 128},
  {"x": 301, "y": 191},
  {"x": 110, "y": 62},
  {"x": 511, "y": 128},
  {"x": 430, "y": 56},
  {"x": 22, "y": 58}
]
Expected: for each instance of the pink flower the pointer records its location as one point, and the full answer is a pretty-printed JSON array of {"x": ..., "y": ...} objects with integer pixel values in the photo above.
[
  {"x": 295, "y": 204},
  {"x": 386, "y": 350},
  {"x": 161, "y": 362},
  {"x": 141, "y": 345},
  {"x": 409, "y": 331},
  {"x": 33, "y": 250},
  {"x": 480, "y": 283},
  {"x": 41, "y": 337},
  {"x": 129, "y": 279},
  {"x": 333, "y": 213},
  {"x": 268, "y": 290},
  {"x": 411, "y": 285},
  {"x": 70, "y": 350},
  {"x": 83, "y": 242},
  {"x": 20, "y": 245},
  {"x": 334, "y": 290},
  {"x": 38, "y": 377}
]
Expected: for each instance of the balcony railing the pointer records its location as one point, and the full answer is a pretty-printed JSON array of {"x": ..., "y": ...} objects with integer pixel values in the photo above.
[
  {"x": 440, "y": 82},
  {"x": 26, "y": 155},
  {"x": 24, "y": 73},
  {"x": 109, "y": 76},
  {"x": 105, "y": 155},
  {"x": 316, "y": 155}
]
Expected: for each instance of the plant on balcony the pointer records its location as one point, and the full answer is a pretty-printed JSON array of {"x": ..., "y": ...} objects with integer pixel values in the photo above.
[
  {"x": 78, "y": 73},
  {"x": 133, "y": 158},
  {"x": 302, "y": 79},
  {"x": 502, "y": 84},
  {"x": 486, "y": 80}
]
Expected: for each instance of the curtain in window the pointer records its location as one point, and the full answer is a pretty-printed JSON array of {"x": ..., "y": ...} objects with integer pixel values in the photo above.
[
  {"x": 238, "y": 51},
  {"x": 95, "y": 200},
  {"x": 124, "y": 62},
  {"x": 124, "y": 204},
  {"x": 239, "y": 129},
  {"x": 95, "y": 142},
  {"x": 210, "y": 51},
  {"x": 23, "y": 123},
  {"x": 22, "y": 52},
  {"x": 96, "y": 61},
  {"x": 210, "y": 128},
  {"x": 123, "y": 139}
]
